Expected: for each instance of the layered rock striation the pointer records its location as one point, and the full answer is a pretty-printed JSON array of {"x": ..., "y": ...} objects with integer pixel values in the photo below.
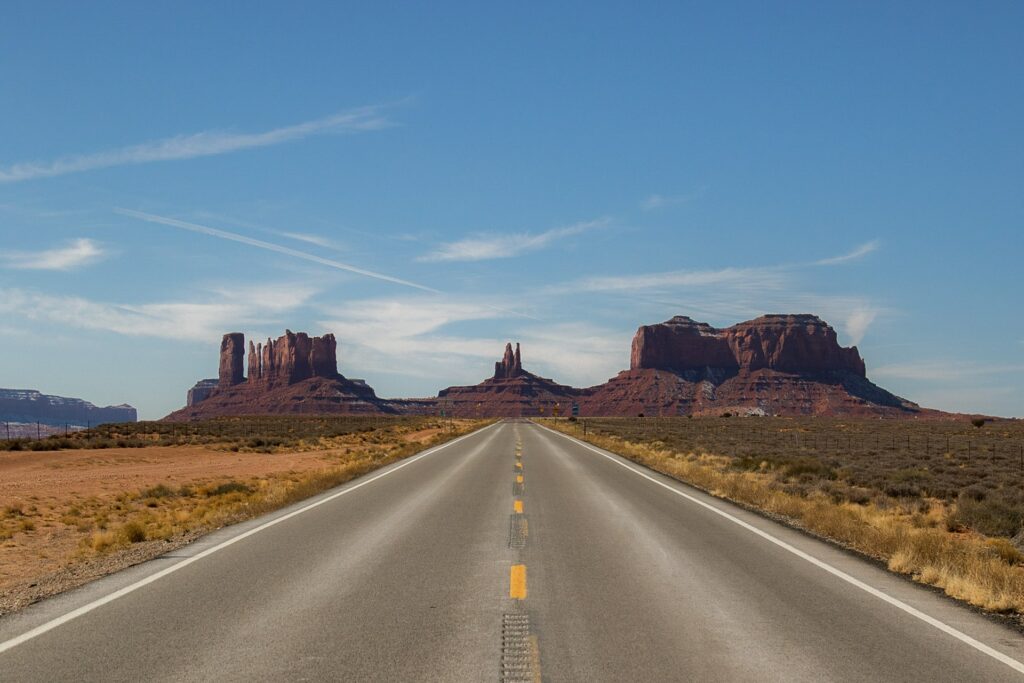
[
  {"x": 800, "y": 344},
  {"x": 772, "y": 365}
]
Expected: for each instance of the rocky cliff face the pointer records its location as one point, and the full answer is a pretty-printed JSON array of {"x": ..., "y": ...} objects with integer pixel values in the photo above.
[
  {"x": 323, "y": 356},
  {"x": 27, "y": 405},
  {"x": 201, "y": 391},
  {"x": 290, "y": 358},
  {"x": 232, "y": 356},
  {"x": 797, "y": 344},
  {"x": 511, "y": 364}
]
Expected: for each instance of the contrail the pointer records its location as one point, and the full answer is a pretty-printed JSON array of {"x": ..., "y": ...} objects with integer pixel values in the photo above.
[{"x": 269, "y": 246}]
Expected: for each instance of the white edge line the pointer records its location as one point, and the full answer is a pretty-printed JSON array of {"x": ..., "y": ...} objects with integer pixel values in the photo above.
[
  {"x": 89, "y": 607},
  {"x": 912, "y": 611}
]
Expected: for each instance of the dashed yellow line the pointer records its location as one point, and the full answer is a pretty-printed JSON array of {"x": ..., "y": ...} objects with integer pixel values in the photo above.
[
  {"x": 517, "y": 582},
  {"x": 519, "y": 465},
  {"x": 517, "y": 506},
  {"x": 519, "y": 479}
]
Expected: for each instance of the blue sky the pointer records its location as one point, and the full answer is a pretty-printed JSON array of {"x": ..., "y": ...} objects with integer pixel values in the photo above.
[{"x": 429, "y": 180}]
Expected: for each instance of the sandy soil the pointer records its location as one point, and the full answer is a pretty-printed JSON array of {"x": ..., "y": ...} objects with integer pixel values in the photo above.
[
  {"x": 47, "y": 498},
  {"x": 59, "y": 475}
]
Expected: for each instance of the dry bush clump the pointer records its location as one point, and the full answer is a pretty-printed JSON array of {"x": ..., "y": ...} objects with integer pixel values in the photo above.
[{"x": 959, "y": 529}]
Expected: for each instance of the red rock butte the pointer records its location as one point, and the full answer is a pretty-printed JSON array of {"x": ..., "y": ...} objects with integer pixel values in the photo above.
[
  {"x": 294, "y": 373},
  {"x": 772, "y": 365},
  {"x": 511, "y": 392}
]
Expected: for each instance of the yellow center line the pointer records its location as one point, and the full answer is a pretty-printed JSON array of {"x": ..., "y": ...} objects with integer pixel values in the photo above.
[
  {"x": 519, "y": 479},
  {"x": 519, "y": 465},
  {"x": 517, "y": 582},
  {"x": 518, "y": 506}
]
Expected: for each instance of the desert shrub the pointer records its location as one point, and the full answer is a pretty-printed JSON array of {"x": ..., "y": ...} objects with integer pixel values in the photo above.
[
  {"x": 14, "y": 510},
  {"x": 999, "y": 514},
  {"x": 158, "y": 491},
  {"x": 978, "y": 422},
  {"x": 133, "y": 532},
  {"x": 229, "y": 487},
  {"x": 748, "y": 463},
  {"x": 808, "y": 468}
]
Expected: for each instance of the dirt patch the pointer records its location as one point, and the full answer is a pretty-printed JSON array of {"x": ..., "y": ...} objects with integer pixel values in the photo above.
[{"x": 423, "y": 435}]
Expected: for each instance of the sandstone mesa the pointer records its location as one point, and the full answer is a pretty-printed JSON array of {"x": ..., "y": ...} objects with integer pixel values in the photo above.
[{"x": 772, "y": 365}]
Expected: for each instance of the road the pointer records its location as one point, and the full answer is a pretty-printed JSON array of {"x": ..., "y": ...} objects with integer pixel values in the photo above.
[{"x": 514, "y": 553}]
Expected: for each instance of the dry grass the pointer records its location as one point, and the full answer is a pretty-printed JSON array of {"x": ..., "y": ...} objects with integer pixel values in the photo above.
[
  {"x": 911, "y": 535},
  {"x": 160, "y": 512},
  {"x": 40, "y": 537}
]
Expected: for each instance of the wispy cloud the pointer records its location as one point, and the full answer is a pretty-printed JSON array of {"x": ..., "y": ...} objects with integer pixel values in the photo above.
[
  {"x": 202, "y": 320},
  {"x": 418, "y": 336},
  {"x": 661, "y": 201},
  {"x": 945, "y": 370},
  {"x": 860, "y": 252},
  {"x": 406, "y": 336},
  {"x": 728, "y": 295},
  {"x": 74, "y": 254},
  {"x": 858, "y": 321},
  {"x": 206, "y": 143},
  {"x": 269, "y": 246},
  {"x": 486, "y": 247},
  {"x": 745, "y": 278}
]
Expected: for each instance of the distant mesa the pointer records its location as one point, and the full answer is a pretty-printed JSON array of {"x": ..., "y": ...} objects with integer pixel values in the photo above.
[
  {"x": 30, "y": 406},
  {"x": 201, "y": 391},
  {"x": 798, "y": 344},
  {"x": 511, "y": 392},
  {"x": 772, "y": 365}
]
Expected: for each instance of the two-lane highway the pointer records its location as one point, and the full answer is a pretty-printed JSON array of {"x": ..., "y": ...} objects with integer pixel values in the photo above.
[{"x": 513, "y": 553}]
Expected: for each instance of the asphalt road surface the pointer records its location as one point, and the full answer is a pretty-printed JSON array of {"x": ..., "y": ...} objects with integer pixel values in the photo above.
[{"x": 513, "y": 553}]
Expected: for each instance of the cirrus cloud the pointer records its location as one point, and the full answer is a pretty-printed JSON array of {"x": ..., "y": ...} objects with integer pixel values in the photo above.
[
  {"x": 76, "y": 253},
  {"x": 494, "y": 246}
]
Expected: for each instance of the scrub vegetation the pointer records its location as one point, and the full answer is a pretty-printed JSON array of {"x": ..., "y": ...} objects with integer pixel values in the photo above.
[
  {"x": 65, "y": 517},
  {"x": 942, "y": 501},
  {"x": 265, "y": 434}
]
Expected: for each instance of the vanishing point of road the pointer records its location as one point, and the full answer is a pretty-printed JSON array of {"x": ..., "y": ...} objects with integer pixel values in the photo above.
[{"x": 511, "y": 554}]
